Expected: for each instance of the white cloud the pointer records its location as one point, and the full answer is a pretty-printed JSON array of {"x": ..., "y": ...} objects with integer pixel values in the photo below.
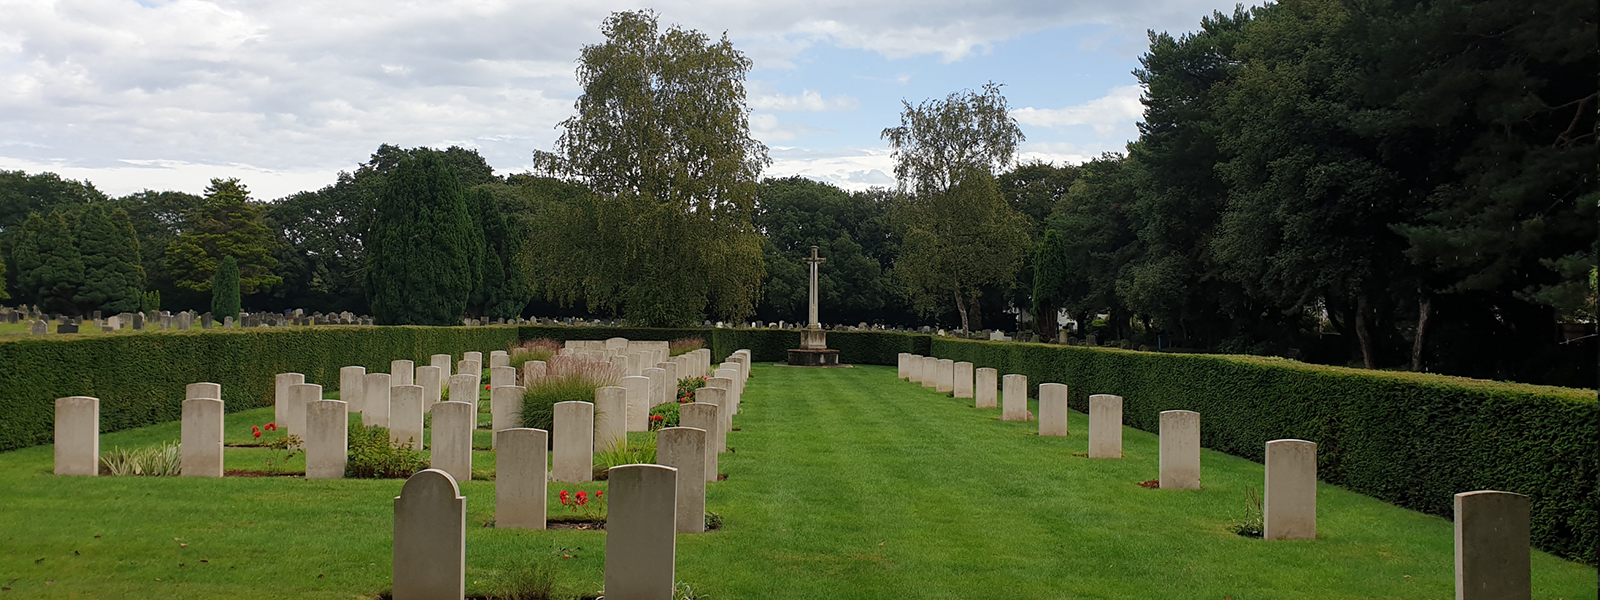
[
  {"x": 768, "y": 128},
  {"x": 808, "y": 100},
  {"x": 1118, "y": 110},
  {"x": 848, "y": 168}
]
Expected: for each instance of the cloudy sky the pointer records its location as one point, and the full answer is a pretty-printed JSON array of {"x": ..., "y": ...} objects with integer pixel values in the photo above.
[{"x": 284, "y": 94}]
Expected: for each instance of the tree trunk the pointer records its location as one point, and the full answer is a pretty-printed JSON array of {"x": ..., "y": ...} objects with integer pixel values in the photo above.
[
  {"x": 1045, "y": 322},
  {"x": 961, "y": 307},
  {"x": 976, "y": 314},
  {"x": 1424, "y": 310},
  {"x": 1362, "y": 335}
]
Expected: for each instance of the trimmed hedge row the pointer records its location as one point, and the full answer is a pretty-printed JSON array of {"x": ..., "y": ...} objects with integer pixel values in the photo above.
[
  {"x": 1414, "y": 440},
  {"x": 140, "y": 378}
]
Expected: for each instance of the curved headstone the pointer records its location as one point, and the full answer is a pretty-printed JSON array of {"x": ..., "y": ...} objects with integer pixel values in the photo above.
[{"x": 430, "y": 538}]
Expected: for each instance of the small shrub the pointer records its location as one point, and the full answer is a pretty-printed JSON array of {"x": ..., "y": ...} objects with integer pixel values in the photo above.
[
  {"x": 688, "y": 385},
  {"x": 682, "y": 591},
  {"x": 584, "y": 505},
  {"x": 567, "y": 378},
  {"x": 1250, "y": 525},
  {"x": 530, "y": 350},
  {"x": 530, "y": 579},
  {"x": 665, "y": 415},
  {"x": 156, "y": 461},
  {"x": 373, "y": 456},
  {"x": 643, "y": 452},
  {"x": 685, "y": 345},
  {"x": 713, "y": 521},
  {"x": 281, "y": 451}
]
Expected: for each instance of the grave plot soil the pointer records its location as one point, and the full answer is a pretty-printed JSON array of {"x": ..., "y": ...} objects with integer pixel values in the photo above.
[{"x": 848, "y": 484}]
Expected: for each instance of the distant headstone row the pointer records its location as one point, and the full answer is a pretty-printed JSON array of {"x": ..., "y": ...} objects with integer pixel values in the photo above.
[{"x": 1492, "y": 527}]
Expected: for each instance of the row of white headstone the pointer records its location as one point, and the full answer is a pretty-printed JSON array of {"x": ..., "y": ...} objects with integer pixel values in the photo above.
[{"x": 1492, "y": 527}]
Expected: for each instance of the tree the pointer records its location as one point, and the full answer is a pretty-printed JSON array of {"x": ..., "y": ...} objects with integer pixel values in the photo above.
[
  {"x": 507, "y": 273},
  {"x": 939, "y": 141},
  {"x": 1095, "y": 240},
  {"x": 225, "y": 289},
  {"x": 417, "y": 248},
  {"x": 794, "y": 214},
  {"x": 3, "y": 294},
  {"x": 113, "y": 279},
  {"x": 157, "y": 218},
  {"x": 59, "y": 274},
  {"x": 662, "y": 138},
  {"x": 226, "y": 224},
  {"x": 957, "y": 241}
]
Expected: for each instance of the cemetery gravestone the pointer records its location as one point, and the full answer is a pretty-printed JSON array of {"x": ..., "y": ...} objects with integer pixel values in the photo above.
[
  {"x": 39, "y": 328},
  {"x": 1053, "y": 409},
  {"x": 684, "y": 449},
  {"x": 402, "y": 372},
  {"x": 499, "y": 376},
  {"x": 930, "y": 372},
  {"x": 375, "y": 400},
  {"x": 201, "y": 448},
  {"x": 327, "y": 439},
  {"x": 704, "y": 417},
  {"x": 659, "y": 392},
  {"x": 985, "y": 393},
  {"x": 442, "y": 361},
  {"x": 903, "y": 366},
  {"x": 963, "y": 379},
  {"x": 944, "y": 376},
  {"x": 1105, "y": 426},
  {"x": 1289, "y": 496},
  {"x": 505, "y": 408},
  {"x": 573, "y": 461},
  {"x": 67, "y": 328},
  {"x": 138, "y": 321},
  {"x": 430, "y": 538},
  {"x": 202, "y": 390},
  {"x": 300, "y": 396},
  {"x": 1492, "y": 546},
  {"x": 637, "y": 396},
  {"x": 453, "y": 423},
  {"x": 641, "y": 544},
  {"x": 474, "y": 356},
  {"x": 715, "y": 393},
  {"x": 521, "y": 478},
  {"x": 77, "y": 441},
  {"x": 429, "y": 379},
  {"x": 280, "y": 397},
  {"x": 610, "y": 418},
  {"x": 463, "y": 388},
  {"x": 1180, "y": 450},
  {"x": 405, "y": 415},
  {"x": 1014, "y": 398},
  {"x": 352, "y": 387}
]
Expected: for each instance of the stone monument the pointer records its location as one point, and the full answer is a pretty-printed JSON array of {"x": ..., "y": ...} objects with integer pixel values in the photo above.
[{"x": 813, "y": 350}]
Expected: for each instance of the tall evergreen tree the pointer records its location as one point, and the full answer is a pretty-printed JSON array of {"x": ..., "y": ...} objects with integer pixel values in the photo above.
[
  {"x": 25, "y": 255},
  {"x": 418, "y": 245},
  {"x": 227, "y": 223},
  {"x": 225, "y": 289},
  {"x": 60, "y": 272},
  {"x": 113, "y": 279},
  {"x": 3, "y": 294}
]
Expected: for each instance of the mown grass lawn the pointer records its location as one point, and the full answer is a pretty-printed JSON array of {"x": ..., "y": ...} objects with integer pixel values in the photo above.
[{"x": 842, "y": 483}]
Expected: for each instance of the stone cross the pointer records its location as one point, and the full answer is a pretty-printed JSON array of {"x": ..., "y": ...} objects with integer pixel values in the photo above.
[{"x": 813, "y": 262}]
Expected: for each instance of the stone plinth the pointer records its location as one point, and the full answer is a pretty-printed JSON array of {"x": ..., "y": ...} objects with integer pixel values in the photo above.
[
  {"x": 986, "y": 383},
  {"x": 944, "y": 376},
  {"x": 1492, "y": 546},
  {"x": 1105, "y": 426},
  {"x": 301, "y": 395},
  {"x": 1014, "y": 398},
  {"x": 902, "y": 367},
  {"x": 636, "y": 390},
  {"x": 431, "y": 379},
  {"x": 201, "y": 448},
  {"x": 77, "y": 442},
  {"x": 1180, "y": 450},
  {"x": 521, "y": 478},
  {"x": 641, "y": 544},
  {"x": 376, "y": 399},
  {"x": 443, "y": 361},
  {"x": 573, "y": 458},
  {"x": 505, "y": 409},
  {"x": 704, "y": 417},
  {"x": 453, "y": 423},
  {"x": 1053, "y": 409},
  {"x": 280, "y": 396},
  {"x": 202, "y": 390},
  {"x": 405, "y": 415},
  {"x": 352, "y": 387},
  {"x": 812, "y": 338},
  {"x": 610, "y": 418},
  {"x": 1289, "y": 497},
  {"x": 963, "y": 379},
  {"x": 327, "y": 439},
  {"x": 803, "y": 357},
  {"x": 402, "y": 372},
  {"x": 718, "y": 397},
  {"x": 684, "y": 449},
  {"x": 430, "y": 538}
]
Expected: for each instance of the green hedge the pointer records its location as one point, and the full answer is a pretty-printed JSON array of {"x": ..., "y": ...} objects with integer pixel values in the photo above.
[
  {"x": 140, "y": 377},
  {"x": 1414, "y": 440}
]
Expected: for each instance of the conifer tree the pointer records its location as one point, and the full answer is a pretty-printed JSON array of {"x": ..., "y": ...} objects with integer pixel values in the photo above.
[
  {"x": 25, "y": 254},
  {"x": 225, "y": 289},
  {"x": 113, "y": 276},
  {"x": 418, "y": 246},
  {"x": 60, "y": 272},
  {"x": 3, "y": 294}
]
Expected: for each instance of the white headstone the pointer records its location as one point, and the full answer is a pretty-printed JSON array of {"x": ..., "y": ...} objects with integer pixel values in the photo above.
[
  {"x": 402, "y": 372},
  {"x": 464, "y": 388},
  {"x": 453, "y": 423},
  {"x": 521, "y": 478},
  {"x": 930, "y": 373},
  {"x": 1492, "y": 546},
  {"x": 327, "y": 439},
  {"x": 1014, "y": 399},
  {"x": 301, "y": 395},
  {"x": 532, "y": 371},
  {"x": 962, "y": 379},
  {"x": 499, "y": 376},
  {"x": 610, "y": 418},
  {"x": 704, "y": 417},
  {"x": 405, "y": 415},
  {"x": 201, "y": 447},
  {"x": 684, "y": 449},
  {"x": 77, "y": 442},
  {"x": 1289, "y": 497},
  {"x": 505, "y": 408},
  {"x": 375, "y": 401},
  {"x": 986, "y": 382},
  {"x": 280, "y": 397},
  {"x": 352, "y": 387},
  {"x": 1105, "y": 426},
  {"x": 944, "y": 376},
  {"x": 431, "y": 380},
  {"x": 641, "y": 544},
  {"x": 637, "y": 393},
  {"x": 430, "y": 538},
  {"x": 573, "y": 459},
  {"x": 715, "y": 393},
  {"x": 499, "y": 358},
  {"x": 1180, "y": 450},
  {"x": 1053, "y": 409},
  {"x": 660, "y": 392},
  {"x": 903, "y": 366},
  {"x": 476, "y": 357},
  {"x": 202, "y": 390},
  {"x": 443, "y": 361}
]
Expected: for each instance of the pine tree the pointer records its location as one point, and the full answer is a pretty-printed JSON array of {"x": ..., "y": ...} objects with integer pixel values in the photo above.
[
  {"x": 227, "y": 223},
  {"x": 418, "y": 246},
  {"x": 113, "y": 277},
  {"x": 60, "y": 272},
  {"x": 25, "y": 254},
  {"x": 225, "y": 289}
]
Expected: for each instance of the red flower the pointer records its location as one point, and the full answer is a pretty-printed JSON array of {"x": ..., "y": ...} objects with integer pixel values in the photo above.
[
  {"x": 563, "y": 496},
  {"x": 486, "y": 386},
  {"x": 272, "y": 426},
  {"x": 255, "y": 428},
  {"x": 258, "y": 433},
  {"x": 583, "y": 498},
  {"x": 598, "y": 494}
]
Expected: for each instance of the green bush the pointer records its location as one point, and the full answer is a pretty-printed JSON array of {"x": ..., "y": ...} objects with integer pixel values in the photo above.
[
  {"x": 1414, "y": 440},
  {"x": 140, "y": 377},
  {"x": 373, "y": 456},
  {"x": 668, "y": 413},
  {"x": 567, "y": 379}
]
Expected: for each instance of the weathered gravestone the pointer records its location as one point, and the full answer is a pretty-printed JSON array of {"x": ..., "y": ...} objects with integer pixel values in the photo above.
[
  {"x": 429, "y": 378},
  {"x": 280, "y": 397},
  {"x": 944, "y": 376},
  {"x": 573, "y": 460},
  {"x": 505, "y": 408},
  {"x": 1180, "y": 450},
  {"x": 201, "y": 435},
  {"x": 402, "y": 372},
  {"x": 375, "y": 400},
  {"x": 1289, "y": 496},
  {"x": 986, "y": 382},
  {"x": 1492, "y": 546},
  {"x": 610, "y": 418},
  {"x": 138, "y": 321},
  {"x": 930, "y": 372},
  {"x": 1014, "y": 398},
  {"x": 684, "y": 449},
  {"x": 352, "y": 387},
  {"x": 39, "y": 328},
  {"x": 641, "y": 545},
  {"x": 704, "y": 417},
  {"x": 442, "y": 361},
  {"x": 521, "y": 478},
  {"x": 463, "y": 388},
  {"x": 405, "y": 415},
  {"x": 503, "y": 375},
  {"x": 963, "y": 379},
  {"x": 532, "y": 371},
  {"x": 1105, "y": 426},
  {"x": 327, "y": 439},
  {"x": 716, "y": 393},
  {"x": 499, "y": 358},
  {"x": 77, "y": 441},
  {"x": 660, "y": 392},
  {"x": 636, "y": 391},
  {"x": 203, "y": 389},
  {"x": 1053, "y": 410},
  {"x": 205, "y": 321},
  {"x": 300, "y": 396},
  {"x": 453, "y": 423},
  {"x": 430, "y": 538},
  {"x": 67, "y": 328}
]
